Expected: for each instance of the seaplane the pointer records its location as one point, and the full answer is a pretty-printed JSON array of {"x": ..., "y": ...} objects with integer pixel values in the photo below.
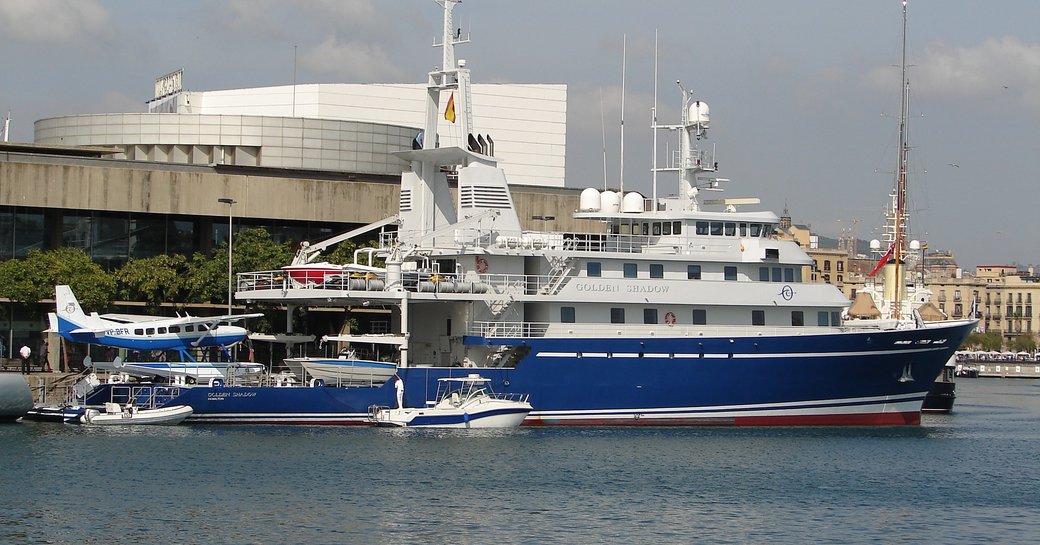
[{"x": 143, "y": 333}]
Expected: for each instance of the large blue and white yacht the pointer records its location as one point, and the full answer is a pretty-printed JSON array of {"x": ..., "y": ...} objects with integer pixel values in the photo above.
[{"x": 682, "y": 310}]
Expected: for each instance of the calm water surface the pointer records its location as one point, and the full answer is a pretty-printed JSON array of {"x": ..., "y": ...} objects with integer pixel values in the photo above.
[{"x": 971, "y": 477}]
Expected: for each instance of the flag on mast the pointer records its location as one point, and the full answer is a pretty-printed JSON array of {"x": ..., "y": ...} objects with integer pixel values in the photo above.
[
  {"x": 884, "y": 259},
  {"x": 449, "y": 112}
]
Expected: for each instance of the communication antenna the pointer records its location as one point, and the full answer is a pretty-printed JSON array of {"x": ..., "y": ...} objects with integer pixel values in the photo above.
[
  {"x": 624, "y": 49},
  {"x": 603, "y": 129}
]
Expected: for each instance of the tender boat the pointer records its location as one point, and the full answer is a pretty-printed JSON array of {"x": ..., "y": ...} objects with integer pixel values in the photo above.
[
  {"x": 346, "y": 370},
  {"x": 55, "y": 413},
  {"x": 129, "y": 414},
  {"x": 462, "y": 402}
]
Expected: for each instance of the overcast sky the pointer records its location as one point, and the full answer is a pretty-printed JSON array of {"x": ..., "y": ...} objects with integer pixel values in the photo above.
[{"x": 804, "y": 95}]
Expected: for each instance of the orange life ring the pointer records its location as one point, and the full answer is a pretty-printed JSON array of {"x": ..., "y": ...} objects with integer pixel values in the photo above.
[{"x": 669, "y": 318}]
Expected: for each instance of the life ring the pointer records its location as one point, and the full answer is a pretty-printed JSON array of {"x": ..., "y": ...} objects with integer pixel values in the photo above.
[
  {"x": 669, "y": 318},
  {"x": 482, "y": 265}
]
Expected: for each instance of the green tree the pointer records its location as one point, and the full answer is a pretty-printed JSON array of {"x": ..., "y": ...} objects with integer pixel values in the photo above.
[
  {"x": 154, "y": 280},
  {"x": 253, "y": 250},
  {"x": 344, "y": 253},
  {"x": 991, "y": 340},
  {"x": 32, "y": 279},
  {"x": 1023, "y": 343}
]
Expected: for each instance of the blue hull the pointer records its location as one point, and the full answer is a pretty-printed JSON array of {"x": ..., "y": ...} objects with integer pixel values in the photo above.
[{"x": 869, "y": 378}]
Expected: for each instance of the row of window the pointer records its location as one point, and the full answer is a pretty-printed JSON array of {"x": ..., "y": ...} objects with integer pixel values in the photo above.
[
  {"x": 704, "y": 228},
  {"x": 699, "y": 316},
  {"x": 594, "y": 269},
  {"x": 732, "y": 229},
  {"x": 190, "y": 328},
  {"x": 110, "y": 238}
]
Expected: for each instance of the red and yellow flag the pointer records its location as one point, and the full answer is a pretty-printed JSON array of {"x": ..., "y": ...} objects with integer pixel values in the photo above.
[{"x": 449, "y": 112}]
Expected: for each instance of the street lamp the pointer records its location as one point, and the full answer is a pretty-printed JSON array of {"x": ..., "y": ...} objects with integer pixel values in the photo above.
[{"x": 230, "y": 203}]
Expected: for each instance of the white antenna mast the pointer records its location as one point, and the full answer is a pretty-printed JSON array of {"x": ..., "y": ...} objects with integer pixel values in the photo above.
[
  {"x": 653, "y": 163},
  {"x": 624, "y": 49},
  {"x": 603, "y": 129}
]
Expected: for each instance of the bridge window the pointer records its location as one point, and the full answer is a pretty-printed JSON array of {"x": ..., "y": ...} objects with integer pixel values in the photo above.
[
  {"x": 758, "y": 317},
  {"x": 797, "y": 318},
  {"x": 649, "y": 315},
  {"x": 789, "y": 274},
  {"x": 716, "y": 228},
  {"x": 593, "y": 269},
  {"x": 139, "y": 332},
  {"x": 666, "y": 228},
  {"x": 189, "y": 329},
  {"x": 631, "y": 270},
  {"x": 567, "y": 315},
  {"x": 731, "y": 273},
  {"x": 700, "y": 316},
  {"x": 756, "y": 230},
  {"x": 175, "y": 329},
  {"x": 617, "y": 315},
  {"x": 676, "y": 227},
  {"x": 657, "y": 229},
  {"x": 693, "y": 272},
  {"x": 776, "y": 274},
  {"x": 772, "y": 253},
  {"x": 162, "y": 330},
  {"x": 149, "y": 331},
  {"x": 731, "y": 229},
  {"x": 835, "y": 319},
  {"x": 743, "y": 229},
  {"x": 822, "y": 319},
  {"x": 702, "y": 228},
  {"x": 656, "y": 270},
  {"x": 203, "y": 327},
  {"x": 763, "y": 274}
]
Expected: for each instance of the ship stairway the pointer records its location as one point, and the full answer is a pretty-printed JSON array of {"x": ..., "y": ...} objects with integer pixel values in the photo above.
[
  {"x": 506, "y": 295},
  {"x": 562, "y": 266}
]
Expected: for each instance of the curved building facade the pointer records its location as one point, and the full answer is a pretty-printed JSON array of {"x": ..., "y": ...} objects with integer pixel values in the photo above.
[{"x": 240, "y": 140}]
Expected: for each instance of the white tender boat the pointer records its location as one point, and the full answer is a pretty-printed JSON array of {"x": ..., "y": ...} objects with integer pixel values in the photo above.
[
  {"x": 464, "y": 402},
  {"x": 346, "y": 370},
  {"x": 127, "y": 415}
]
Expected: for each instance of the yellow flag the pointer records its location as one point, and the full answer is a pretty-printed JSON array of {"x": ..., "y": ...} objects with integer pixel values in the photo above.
[{"x": 449, "y": 112}]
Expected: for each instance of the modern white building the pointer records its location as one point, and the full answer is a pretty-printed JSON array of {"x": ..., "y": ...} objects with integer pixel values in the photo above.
[{"x": 336, "y": 127}]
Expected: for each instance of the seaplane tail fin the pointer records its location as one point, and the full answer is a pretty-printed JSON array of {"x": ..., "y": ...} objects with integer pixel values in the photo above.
[{"x": 69, "y": 316}]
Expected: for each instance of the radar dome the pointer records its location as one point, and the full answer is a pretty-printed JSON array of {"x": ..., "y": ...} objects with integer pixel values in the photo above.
[
  {"x": 875, "y": 244},
  {"x": 589, "y": 200},
  {"x": 632, "y": 203},
  {"x": 699, "y": 114},
  {"x": 915, "y": 244},
  {"x": 610, "y": 202}
]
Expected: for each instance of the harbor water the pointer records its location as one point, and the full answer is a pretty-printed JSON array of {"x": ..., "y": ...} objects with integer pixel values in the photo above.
[{"x": 970, "y": 477}]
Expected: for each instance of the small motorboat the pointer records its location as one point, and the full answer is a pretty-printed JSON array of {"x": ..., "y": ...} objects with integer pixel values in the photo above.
[
  {"x": 55, "y": 413},
  {"x": 115, "y": 414},
  {"x": 463, "y": 402}
]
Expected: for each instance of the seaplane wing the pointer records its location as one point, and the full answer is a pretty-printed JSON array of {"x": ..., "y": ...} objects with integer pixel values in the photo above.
[{"x": 139, "y": 319}]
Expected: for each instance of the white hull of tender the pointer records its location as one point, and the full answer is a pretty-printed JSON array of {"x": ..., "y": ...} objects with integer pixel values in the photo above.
[
  {"x": 343, "y": 372},
  {"x": 116, "y": 415}
]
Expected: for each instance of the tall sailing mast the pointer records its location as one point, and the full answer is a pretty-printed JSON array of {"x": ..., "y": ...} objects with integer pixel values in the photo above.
[{"x": 899, "y": 217}]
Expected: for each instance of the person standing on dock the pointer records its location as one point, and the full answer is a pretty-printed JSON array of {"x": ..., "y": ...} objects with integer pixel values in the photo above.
[
  {"x": 25, "y": 353},
  {"x": 399, "y": 386}
]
